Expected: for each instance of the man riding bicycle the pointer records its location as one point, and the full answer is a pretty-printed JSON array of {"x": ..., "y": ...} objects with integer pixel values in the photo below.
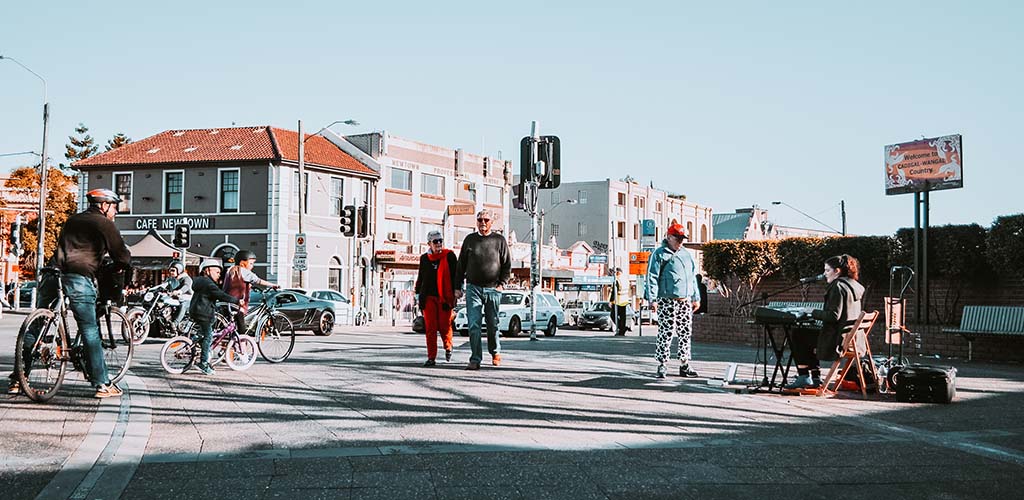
[
  {"x": 238, "y": 283},
  {"x": 85, "y": 239}
]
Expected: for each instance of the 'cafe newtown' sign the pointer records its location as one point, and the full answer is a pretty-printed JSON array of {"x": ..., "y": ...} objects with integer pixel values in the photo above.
[{"x": 168, "y": 223}]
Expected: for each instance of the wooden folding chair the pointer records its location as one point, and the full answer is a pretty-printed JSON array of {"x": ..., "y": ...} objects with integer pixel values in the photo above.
[{"x": 855, "y": 346}]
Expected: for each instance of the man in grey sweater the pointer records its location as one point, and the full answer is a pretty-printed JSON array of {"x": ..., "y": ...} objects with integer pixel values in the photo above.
[{"x": 485, "y": 265}]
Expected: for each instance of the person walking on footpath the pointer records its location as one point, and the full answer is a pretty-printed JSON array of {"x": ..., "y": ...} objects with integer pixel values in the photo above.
[
  {"x": 673, "y": 293},
  {"x": 484, "y": 265},
  {"x": 84, "y": 240},
  {"x": 620, "y": 300},
  {"x": 435, "y": 291},
  {"x": 205, "y": 294}
]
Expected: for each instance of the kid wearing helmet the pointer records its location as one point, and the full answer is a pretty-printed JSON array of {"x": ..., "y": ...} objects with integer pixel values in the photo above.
[
  {"x": 205, "y": 294},
  {"x": 239, "y": 281}
]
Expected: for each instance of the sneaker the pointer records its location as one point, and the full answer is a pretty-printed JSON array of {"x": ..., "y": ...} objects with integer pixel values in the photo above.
[
  {"x": 496, "y": 360},
  {"x": 14, "y": 387},
  {"x": 815, "y": 382},
  {"x": 801, "y": 382},
  {"x": 429, "y": 363},
  {"x": 473, "y": 366},
  {"x": 108, "y": 391},
  {"x": 447, "y": 354},
  {"x": 207, "y": 370},
  {"x": 686, "y": 371},
  {"x": 661, "y": 371}
]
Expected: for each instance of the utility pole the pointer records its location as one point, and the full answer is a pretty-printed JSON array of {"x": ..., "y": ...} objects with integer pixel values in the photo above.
[
  {"x": 842, "y": 213},
  {"x": 534, "y": 227},
  {"x": 43, "y": 174},
  {"x": 302, "y": 189}
]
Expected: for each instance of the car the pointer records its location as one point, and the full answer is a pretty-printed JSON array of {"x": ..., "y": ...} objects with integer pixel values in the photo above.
[
  {"x": 305, "y": 312},
  {"x": 573, "y": 310},
  {"x": 599, "y": 316},
  {"x": 342, "y": 305},
  {"x": 647, "y": 316},
  {"x": 514, "y": 314},
  {"x": 419, "y": 325},
  {"x": 25, "y": 295}
]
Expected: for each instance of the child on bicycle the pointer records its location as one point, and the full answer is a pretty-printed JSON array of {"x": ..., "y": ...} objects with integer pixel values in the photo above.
[
  {"x": 205, "y": 294},
  {"x": 239, "y": 281}
]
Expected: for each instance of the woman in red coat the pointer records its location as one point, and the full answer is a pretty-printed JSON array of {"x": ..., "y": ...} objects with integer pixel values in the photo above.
[{"x": 435, "y": 290}]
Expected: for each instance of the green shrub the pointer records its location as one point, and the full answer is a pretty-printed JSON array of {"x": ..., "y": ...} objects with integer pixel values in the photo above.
[{"x": 1005, "y": 245}]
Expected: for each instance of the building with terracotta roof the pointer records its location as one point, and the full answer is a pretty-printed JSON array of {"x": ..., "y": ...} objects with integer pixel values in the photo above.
[{"x": 238, "y": 188}]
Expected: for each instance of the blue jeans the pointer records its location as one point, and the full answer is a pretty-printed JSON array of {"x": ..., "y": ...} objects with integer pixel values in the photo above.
[
  {"x": 482, "y": 301},
  {"x": 81, "y": 294},
  {"x": 206, "y": 337}
]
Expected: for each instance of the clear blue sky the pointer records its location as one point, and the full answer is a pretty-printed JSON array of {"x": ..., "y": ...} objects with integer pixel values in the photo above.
[{"x": 731, "y": 103}]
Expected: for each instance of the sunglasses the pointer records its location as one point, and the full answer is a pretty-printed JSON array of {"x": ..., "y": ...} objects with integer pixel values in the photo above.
[
  {"x": 437, "y": 241},
  {"x": 483, "y": 220}
]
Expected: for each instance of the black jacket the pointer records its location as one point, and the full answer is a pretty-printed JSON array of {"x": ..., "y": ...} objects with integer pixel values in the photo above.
[
  {"x": 426, "y": 279},
  {"x": 205, "y": 294},
  {"x": 88, "y": 236},
  {"x": 484, "y": 261},
  {"x": 843, "y": 302}
]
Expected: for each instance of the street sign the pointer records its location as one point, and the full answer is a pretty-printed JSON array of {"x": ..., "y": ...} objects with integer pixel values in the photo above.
[
  {"x": 299, "y": 263},
  {"x": 593, "y": 280},
  {"x": 598, "y": 259},
  {"x": 571, "y": 287},
  {"x": 461, "y": 209},
  {"x": 300, "y": 244},
  {"x": 638, "y": 262},
  {"x": 649, "y": 228},
  {"x": 648, "y": 241}
]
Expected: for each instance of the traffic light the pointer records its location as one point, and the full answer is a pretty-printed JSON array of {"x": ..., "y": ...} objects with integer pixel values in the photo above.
[
  {"x": 16, "y": 237},
  {"x": 549, "y": 151},
  {"x": 348, "y": 220},
  {"x": 182, "y": 236},
  {"x": 363, "y": 221},
  {"x": 518, "y": 198}
]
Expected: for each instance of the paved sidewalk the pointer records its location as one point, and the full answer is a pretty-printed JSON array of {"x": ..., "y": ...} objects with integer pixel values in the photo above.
[{"x": 354, "y": 415}]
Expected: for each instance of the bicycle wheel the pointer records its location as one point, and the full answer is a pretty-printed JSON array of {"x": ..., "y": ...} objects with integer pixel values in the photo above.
[
  {"x": 176, "y": 355},
  {"x": 219, "y": 344},
  {"x": 275, "y": 337},
  {"x": 116, "y": 336},
  {"x": 42, "y": 373},
  {"x": 139, "y": 328},
  {"x": 241, "y": 352}
]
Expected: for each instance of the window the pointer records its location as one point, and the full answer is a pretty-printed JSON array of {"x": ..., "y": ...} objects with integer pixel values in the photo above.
[
  {"x": 229, "y": 190},
  {"x": 689, "y": 230},
  {"x": 403, "y": 227},
  {"x": 657, "y": 206},
  {"x": 433, "y": 184},
  {"x": 636, "y": 231},
  {"x": 461, "y": 233},
  {"x": 174, "y": 186},
  {"x": 636, "y": 201},
  {"x": 401, "y": 179},
  {"x": 643, "y": 203},
  {"x": 554, "y": 230},
  {"x": 620, "y": 229},
  {"x": 492, "y": 195},
  {"x": 703, "y": 232},
  {"x": 295, "y": 192},
  {"x": 581, "y": 228},
  {"x": 426, "y": 228},
  {"x": 337, "y": 195},
  {"x": 621, "y": 201},
  {"x": 581, "y": 198},
  {"x": 334, "y": 274},
  {"x": 123, "y": 188}
]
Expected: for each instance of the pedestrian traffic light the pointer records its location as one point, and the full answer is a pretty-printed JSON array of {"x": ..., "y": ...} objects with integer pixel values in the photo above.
[
  {"x": 182, "y": 236},
  {"x": 348, "y": 220},
  {"x": 363, "y": 221},
  {"x": 518, "y": 200}
]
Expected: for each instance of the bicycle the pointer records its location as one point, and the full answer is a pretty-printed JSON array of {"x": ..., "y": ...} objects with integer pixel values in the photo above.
[
  {"x": 274, "y": 332},
  {"x": 41, "y": 377},
  {"x": 185, "y": 351}
]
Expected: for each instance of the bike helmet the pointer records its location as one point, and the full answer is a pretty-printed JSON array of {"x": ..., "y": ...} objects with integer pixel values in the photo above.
[
  {"x": 243, "y": 255},
  {"x": 209, "y": 263},
  {"x": 177, "y": 265},
  {"x": 102, "y": 196}
]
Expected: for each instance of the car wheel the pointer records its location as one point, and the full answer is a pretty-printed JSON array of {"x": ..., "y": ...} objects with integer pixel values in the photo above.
[
  {"x": 514, "y": 327},
  {"x": 325, "y": 325},
  {"x": 551, "y": 329}
]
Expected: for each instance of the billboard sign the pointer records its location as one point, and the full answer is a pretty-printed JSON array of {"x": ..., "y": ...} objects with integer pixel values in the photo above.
[{"x": 924, "y": 165}]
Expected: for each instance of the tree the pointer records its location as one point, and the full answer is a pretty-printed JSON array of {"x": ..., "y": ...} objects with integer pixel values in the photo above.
[
  {"x": 119, "y": 140},
  {"x": 60, "y": 204},
  {"x": 81, "y": 147},
  {"x": 739, "y": 267},
  {"x": 1005, "y": 244}
]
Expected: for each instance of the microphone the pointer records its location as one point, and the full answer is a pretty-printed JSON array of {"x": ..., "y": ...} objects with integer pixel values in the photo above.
[{"x": 812, "y": 279}]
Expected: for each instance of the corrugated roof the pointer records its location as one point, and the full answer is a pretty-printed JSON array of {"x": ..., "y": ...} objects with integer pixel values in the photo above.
[{"x": 730, "y": 226}]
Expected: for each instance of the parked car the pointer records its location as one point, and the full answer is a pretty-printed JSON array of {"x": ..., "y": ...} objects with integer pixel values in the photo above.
[
  {"x": 514, "y": 314},
  {"x": 647, "y": 316},
  {"x": 342, "y": 305},
  {"x": 573, "y": 310},
  {"x": 25, "y": 297},
  {"x": 305, "y": 313},
  {"x": 419, "y": 325},
  {"x": 599, "y": 316}
]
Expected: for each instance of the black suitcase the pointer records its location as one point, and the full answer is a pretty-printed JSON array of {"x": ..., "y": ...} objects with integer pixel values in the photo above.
[{"x": 925, "y": 384}]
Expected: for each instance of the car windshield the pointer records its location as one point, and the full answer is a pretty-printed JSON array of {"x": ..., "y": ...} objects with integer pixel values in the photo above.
[
  {"x": 601, "y": 307},
  {"x": 511, "y": 298}
]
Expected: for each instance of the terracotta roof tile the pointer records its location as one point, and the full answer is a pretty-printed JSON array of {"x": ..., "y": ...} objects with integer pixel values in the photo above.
[{"x": 226, "y": 145}]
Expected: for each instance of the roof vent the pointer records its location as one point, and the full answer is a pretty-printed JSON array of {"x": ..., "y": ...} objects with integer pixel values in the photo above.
[
  {"x": 236, "y": 147},
  {"x": 154, "y": 150},
  {"x": 190, "y": 149},
  {"x": 214, "y": 132},
  {"x": 179, "y": 134}
]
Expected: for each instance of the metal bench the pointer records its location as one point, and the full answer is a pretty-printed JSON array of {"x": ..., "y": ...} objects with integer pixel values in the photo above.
[{"x": 989, "y": 321}]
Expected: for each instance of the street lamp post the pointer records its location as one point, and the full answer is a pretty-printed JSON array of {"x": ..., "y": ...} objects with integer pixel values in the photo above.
[
  {"x": 842, "y": 205},
  {"x": 302, "y": 174},
  {"x": 42, "y": 168}
]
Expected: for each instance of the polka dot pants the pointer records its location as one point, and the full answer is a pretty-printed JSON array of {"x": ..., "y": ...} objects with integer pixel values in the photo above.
[{"x": 675, "y": 317}]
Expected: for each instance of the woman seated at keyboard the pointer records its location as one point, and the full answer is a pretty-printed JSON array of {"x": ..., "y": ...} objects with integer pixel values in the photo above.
[{"x": 843, "y": 300}]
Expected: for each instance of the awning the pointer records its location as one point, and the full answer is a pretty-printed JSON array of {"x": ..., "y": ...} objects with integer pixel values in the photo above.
[{"x": 153, "y": 252}]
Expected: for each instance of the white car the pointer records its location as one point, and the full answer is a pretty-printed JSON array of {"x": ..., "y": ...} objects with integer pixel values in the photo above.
[
  {"x": 514, "y": 314},
  {"x": 342, "y": 305}
]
